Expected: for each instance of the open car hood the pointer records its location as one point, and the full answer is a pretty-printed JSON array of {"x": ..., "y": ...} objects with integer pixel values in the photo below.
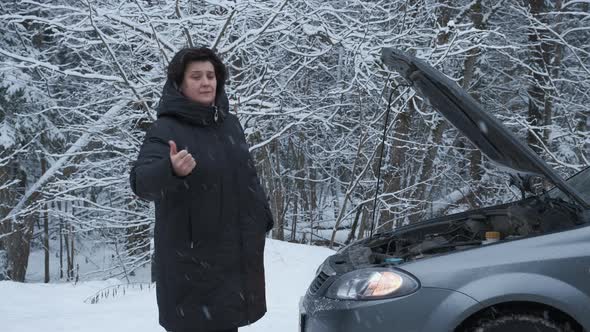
[{"x": 481, "y": 128}]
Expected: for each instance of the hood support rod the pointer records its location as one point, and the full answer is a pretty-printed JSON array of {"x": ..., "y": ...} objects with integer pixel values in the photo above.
[{"x": 381, "y": 159}]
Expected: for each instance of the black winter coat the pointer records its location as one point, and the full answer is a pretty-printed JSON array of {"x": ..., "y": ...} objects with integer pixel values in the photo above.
[{"x": 210, "y": 225}]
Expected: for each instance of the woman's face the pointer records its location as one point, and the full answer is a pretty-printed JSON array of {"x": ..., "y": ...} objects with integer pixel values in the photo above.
[{"x": 199, "y": 82}]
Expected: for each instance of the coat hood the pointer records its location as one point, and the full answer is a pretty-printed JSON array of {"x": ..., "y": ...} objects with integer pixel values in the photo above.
[
  {"x": 173, "y": 103},
  {"x": 465, "y": 113}
]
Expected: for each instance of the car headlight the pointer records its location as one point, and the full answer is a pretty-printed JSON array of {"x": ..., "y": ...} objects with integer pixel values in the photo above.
[{"x": 372, "y": 284}]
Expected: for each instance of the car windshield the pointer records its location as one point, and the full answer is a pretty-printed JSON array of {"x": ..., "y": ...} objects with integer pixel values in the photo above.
[{"x": 580, "y": 182}]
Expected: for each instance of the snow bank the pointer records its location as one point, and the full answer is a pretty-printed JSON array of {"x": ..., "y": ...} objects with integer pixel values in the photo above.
[{"x": 32, "y": 307}]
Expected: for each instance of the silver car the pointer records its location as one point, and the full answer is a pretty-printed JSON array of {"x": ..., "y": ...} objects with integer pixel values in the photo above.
[{"x": 521, "y": 266}]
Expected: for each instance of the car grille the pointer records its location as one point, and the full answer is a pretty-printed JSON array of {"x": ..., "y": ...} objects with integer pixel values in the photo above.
[{"x": 318, "y": 282}]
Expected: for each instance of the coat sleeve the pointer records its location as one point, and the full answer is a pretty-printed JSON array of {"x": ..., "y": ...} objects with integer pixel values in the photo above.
[
  {"x": 152, "y": 175},
  {"x": 260, "y": 194},
  {"x": 254, "y": 182}
]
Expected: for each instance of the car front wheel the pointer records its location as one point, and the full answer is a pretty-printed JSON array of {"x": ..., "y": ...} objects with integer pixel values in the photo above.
[{"x": 519, "y": 322}]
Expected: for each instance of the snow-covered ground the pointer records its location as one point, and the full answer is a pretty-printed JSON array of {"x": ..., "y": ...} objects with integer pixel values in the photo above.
[{"x": 33, "y": 307}]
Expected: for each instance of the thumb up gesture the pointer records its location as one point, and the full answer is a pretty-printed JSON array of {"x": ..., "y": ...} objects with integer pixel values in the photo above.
[{"x": 182, "y": 162}]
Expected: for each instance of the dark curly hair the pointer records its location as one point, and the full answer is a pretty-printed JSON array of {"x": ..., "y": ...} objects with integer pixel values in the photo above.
[{"x": 187, "y": 55}]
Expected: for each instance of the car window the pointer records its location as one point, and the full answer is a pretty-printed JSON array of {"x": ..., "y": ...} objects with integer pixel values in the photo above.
[{"x": 580, "y": 182}]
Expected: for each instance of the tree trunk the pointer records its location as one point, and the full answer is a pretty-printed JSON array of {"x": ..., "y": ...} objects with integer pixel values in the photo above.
[
  {"x": 274, "y": 188},
  {"x": 335, "y": 190},
  {"x": 17, "y": 233},
  {"x": 61, "y": 248},
  {"x": 357, "y": 215},
  {"x": 554, "y": 64},
  {"x": 45, "y": 229},
  {"x": 304, "y": 195},
  {"x": 67, "y": 208},
  {"x": 46, "y": 245},
  {"x": 67, "y": 251},
  {"x": 538, "y": 108},
  {"x": 443, "y": 17},
  {"x": 280, "y": 196},
  {"x": 315, "y": 215},
  {"x": 294, "y": 221},
  {"x": 293, "y": 160},
  {"x": 8, "y": 197},
  {"x": 469, "y": 76},
  {"x": 72, "y": 254},
  {"x": 582, "y": 125},
  {"x": 393, "y": 182},
  {"x": 365, "y": 222},
  {"x": 428, "y": 164},
  {"x": 18, "y": 246}
]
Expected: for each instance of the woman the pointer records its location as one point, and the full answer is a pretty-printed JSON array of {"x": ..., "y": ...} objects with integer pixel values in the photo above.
[{"x": 211, "y": 212}]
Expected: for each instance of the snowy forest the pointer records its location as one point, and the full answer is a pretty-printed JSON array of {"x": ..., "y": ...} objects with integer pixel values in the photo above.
[{"x": 80, "y": 81}]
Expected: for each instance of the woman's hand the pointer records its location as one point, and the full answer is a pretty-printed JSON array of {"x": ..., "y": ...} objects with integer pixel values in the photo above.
[{"x": 183, "y": 162}]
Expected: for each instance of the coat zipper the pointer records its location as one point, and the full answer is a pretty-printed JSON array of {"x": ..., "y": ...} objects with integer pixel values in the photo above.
[{"x": 216, "y": 115}]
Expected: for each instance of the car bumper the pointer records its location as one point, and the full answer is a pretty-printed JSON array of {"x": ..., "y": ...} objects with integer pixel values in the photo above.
[{"x": 428, "y": 309}]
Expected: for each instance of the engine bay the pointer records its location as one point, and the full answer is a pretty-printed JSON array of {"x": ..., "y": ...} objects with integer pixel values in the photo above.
[{"x": 530, "y": 217}]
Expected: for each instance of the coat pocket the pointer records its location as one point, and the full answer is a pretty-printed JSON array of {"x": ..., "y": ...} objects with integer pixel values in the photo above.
[{"x": 189, "y": 266}]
